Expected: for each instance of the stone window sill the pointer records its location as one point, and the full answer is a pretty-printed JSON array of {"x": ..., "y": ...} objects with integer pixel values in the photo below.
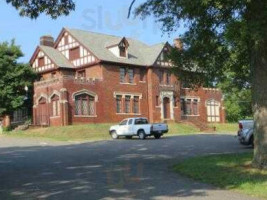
[
  {"x": 128, "y": 113},
  {"x": 54, "y": 117},
  {"x": 166, "y": 85},
  {"x": 190, "y": 115},
  {"x": 85, "y": 116},
  {"x": 128, "y": 83}
]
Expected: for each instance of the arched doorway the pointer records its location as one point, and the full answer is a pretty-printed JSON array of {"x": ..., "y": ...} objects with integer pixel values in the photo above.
[
  {"x": 166, "y": 108},
  {"x": 42, "y": 113}
]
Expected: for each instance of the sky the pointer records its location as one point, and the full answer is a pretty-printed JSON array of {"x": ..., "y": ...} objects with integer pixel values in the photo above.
[{"x": 103, "y": 16}]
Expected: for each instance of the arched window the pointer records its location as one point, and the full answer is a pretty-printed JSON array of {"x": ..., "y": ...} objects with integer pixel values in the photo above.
[
  {"x": 213, "y": 110},
  {"x": 85, "y": 105},
  {"x": 42, "y": 111},
  {"x": 42, "y": 100},
  {"x": 55, "y": 105}
]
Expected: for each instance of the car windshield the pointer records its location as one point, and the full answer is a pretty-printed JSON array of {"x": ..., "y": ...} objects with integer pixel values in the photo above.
[
  {"x": 141, "y": 121},
  {"x": 124, "y": 122}
]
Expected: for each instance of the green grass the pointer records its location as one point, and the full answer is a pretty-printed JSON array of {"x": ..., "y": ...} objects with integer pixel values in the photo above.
[
  {"x": 181, "y": 129},
  {"x": 90, "y": 132},
  {"x": 86, "y": 132},
  {"x": 225, "y": 127},
  {"x": 232, "y": 171}
]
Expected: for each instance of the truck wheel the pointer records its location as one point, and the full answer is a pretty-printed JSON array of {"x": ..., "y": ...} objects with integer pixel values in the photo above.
[
  {"x": 157, "y": 136},
  {"x": 114, "y": 135},
  {"x": 141, "y": 135}
]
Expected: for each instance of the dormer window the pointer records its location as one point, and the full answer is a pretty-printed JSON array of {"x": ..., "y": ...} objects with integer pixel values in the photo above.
[
  {"x": 119, "y": 48},
  {"x": 122, "y": 49}
]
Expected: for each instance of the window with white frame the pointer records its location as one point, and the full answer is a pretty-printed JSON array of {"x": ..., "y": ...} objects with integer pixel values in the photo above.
[
  {"x": 136, "y": 105},
  {"x": 119, "y": 104},
  {"x": 161, "y": 76},
  {"x": 55, "y": 106},
  {"x": 122, "y": 49},
  {"x": 168, "y": 78},
  {"x": 190, "y": 106},
  {"x": 122, "y": 75},
  {"x": 131, "y": 75},
  {"x": 126, "y": 75},
  {"x": 127, "y": 104},
  {"x": 213, "y": 110},
  {"x": 85, "y": 105}
]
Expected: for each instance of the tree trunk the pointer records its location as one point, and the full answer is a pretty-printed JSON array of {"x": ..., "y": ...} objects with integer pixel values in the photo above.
[
  {"x": 259, "y": 95},
  {"x": 257, "y": 26}
]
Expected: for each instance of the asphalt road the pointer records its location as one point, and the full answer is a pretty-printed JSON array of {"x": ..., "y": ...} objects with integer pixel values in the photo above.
[{"x": 121, "y": 169}]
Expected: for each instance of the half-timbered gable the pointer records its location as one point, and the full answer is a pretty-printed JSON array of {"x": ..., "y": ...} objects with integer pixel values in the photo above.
[
  {"x": 162, "y": 59},
  {"x": 47, "y": 58},
  {"x": 74, "y": 51},
  {"x": 42, "y": 62}
]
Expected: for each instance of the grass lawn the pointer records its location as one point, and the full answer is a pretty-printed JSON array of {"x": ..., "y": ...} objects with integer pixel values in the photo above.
[
  {"x": 90, "y": 132},
  {"x": 232, "y": 171},
  {"x": 225, "y": 128}
]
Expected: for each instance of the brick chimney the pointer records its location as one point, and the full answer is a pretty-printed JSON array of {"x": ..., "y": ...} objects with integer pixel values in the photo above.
[
  {"x": 47, "y": 40},
  {"x": 178, "y": 44}
]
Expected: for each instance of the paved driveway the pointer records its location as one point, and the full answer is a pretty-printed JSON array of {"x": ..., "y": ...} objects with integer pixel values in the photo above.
[{"x": 121, "y": 169}]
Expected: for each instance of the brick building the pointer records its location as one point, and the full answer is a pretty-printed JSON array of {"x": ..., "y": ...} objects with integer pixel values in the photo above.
[{"x": 89, "y": 77}]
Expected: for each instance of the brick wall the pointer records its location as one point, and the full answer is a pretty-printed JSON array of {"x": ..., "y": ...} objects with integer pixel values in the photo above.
[
  {"x": 205, "y": 94},
  {"x": 108, "y": 83}
]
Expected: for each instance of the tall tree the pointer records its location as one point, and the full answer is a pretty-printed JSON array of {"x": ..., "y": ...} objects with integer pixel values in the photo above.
[
  {"x": 237, "y": 99},
  {"x": 33, "y": 8},
  {"x": 221, "y": 35},
  {"x": 14, "y": 77}
]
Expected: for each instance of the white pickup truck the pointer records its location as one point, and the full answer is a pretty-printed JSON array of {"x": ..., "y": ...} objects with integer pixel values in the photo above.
[{"x": 138, "y": 127}]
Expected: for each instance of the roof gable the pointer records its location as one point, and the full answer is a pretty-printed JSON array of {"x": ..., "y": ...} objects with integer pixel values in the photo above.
[
  {"x": 41, "y": 62},
  {"x": 57, "y": 57},
  {"x": 95, "y": 47},
  {"x": 162, "y": 57},
  {"x": 139, "y": 53},
  {"x": 52, "y": 59}
]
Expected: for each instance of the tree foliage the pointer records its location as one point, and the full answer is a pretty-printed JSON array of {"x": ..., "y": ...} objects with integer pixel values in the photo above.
[
  {"x": 214, "y": 40},
  {"x": 221, "y": 36},
  {"x": 14, "y": 77},
  {"x": 237, "y": 100},
  {"x": 33, "y": 8}
]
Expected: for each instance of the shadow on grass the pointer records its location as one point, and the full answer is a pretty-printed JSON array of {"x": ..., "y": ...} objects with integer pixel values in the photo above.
[{"x": 230, "y": 171}]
